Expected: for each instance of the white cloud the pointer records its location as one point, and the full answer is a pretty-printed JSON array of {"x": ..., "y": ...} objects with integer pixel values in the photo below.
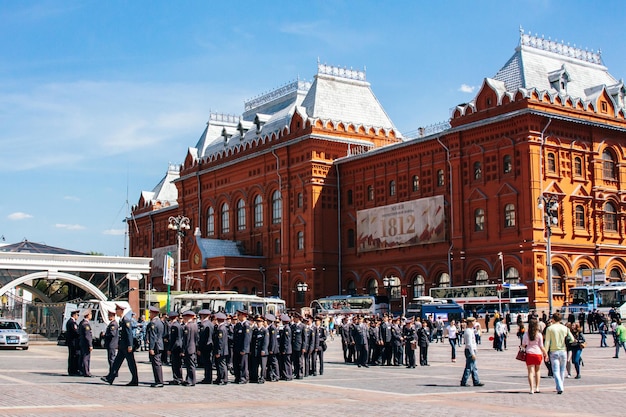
[
  {"x": 69, "y": 226},
  {"x": 114, "y": 232},
  {"x": 19, "y": 216},
  {"x": 464, "y": 88},
  {"x": 71, "y": 198}
]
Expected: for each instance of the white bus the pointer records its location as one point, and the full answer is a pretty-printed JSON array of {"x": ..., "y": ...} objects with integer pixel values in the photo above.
[
  {"x": 612, "y": 296},
  {"x": 351, "y": 304},
  {"x": 228, "y": 302}
]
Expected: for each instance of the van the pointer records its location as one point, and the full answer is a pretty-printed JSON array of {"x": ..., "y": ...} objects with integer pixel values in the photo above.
[{"x": 99, "y": 319}]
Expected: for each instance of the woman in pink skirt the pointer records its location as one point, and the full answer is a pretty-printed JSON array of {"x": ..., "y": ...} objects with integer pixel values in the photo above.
[{"x": 535, "y": 354}]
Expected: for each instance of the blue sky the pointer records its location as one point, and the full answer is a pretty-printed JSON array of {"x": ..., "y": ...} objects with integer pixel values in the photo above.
[{"x": 97, "y": 97}]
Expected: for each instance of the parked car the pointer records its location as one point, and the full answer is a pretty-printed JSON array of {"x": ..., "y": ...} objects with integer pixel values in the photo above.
[{"x": 12, "y": 335}]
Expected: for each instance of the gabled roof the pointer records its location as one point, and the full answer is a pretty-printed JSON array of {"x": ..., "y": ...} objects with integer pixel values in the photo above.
[
  {"x": 165, "y": 191},
  {"x": 33, "y": 247}
]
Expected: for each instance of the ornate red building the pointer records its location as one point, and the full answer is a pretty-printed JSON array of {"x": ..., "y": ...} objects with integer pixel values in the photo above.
[{"x": 313, "y": 184}]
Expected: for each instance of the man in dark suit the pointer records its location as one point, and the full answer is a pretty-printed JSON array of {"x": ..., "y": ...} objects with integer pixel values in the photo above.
[
  {"x": 155, "y": 345},
  {"x": 221, "y": 349},
  {"x": 319, "y": 346},
  {"x": 385, "y": 335},
  {"x": 359, "y": 337},
  {"x": 242, "y": 336},
  {"x": 286, "y": 349},
  {"x": 259, "y": 351},
  {"x": 86, "y": 344},
  {"x": 112, "y": 338},
  {"x": 71, "y": 340},
  {"x": 205, "y": 345},
  {"x": 272, "y": 373},
  {"x": 298, "y": 346},
  {"x": 396, "y": 341},
  {"x": 190, "y": 347},
  {"x": 346, "y": 341},
  {"x": 175, "y": 348},
  {"x": 125, "y": 350}
]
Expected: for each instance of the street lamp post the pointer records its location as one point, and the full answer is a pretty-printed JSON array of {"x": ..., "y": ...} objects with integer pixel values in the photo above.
[
  {"x": 302, "y": 288},
  {"x": 262, "y": 271},
  {"x": 387, "y": 282},
  {"x": 549, "y": 204},
  {"x": 501, "y": 256},
  {"x": 180, "y": 224}
]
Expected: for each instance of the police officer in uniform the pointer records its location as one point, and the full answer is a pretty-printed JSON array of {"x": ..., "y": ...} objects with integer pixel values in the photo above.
[
  {"x": 242, "y": 336},
  {"x": 272, "y": 372},
  {"x": 385, "y": 335},
  {"x": 154, "y": 334},
  {"x": 190, "y": 347},
  {"x": 396, "y": 342},
  {"x": 205, "y": 345},
  {"x": 220, "y": 349},
  {"x": 71, "y": 339},
  {"x": 309, "y": 341},
  {"x": 285, "y": 347},
  {"x": 298, "y": 346},
  {"x": 86, "y": 344},
  {"x": 175, "y": 348},
  {"x": 319, "y": 346},
  {"x": 125, "y": 350},
  {"x": 259, "y": 351},
  {"x": 112, "y": 338}
]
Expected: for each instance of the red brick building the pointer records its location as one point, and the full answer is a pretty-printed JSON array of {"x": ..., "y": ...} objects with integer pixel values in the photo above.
[{"x": 313, "y": 184}]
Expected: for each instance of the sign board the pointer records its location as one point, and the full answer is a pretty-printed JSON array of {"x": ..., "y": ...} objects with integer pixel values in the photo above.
[
  {"x": 591, "y": 276},
  {"x": 168, "y": 270}
]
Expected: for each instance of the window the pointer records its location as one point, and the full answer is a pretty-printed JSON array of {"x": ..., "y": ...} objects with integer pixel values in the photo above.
[
  {"x": 608, "y": 165},
  {"x": 479, "y": 220},
  {"x": 300, "y": 240},
  {"x": 482, "y": 278},
  {"x": 578, "y": 167},
  {"x": 300, "y": 200},
  {"x": 277, "y": 207},
  {"x": 444, "y": 280},
  {"x": 241, "y": 215},
  {"x": 350, "y": 197},
  {"x": 511, "y": 276},
  {"x": 258, "y": 211},
  {"x": 210, "y": 222},
  {"x": 557, "y": 280},
  {"x": 580, "y": 217},
  {"x": 416, "y": 183},
  {"x": 372, "y": 287},
  {"x": 419, "y": 288},
  {"x": 507, "y": 164},
  {"x": 478, "y": 171},
  {"x": 551, "y": 162},
  {"x": 277, "y": 246},
  {"x": 351, "y": 288},
  {"x": 351, "y": 238},
  {"x": 440, "y": 179},
  {"x": 509, "y": 215},
  {"x": 616, "y": 275},
  {"x": 392, "y": 188},
  {"x": 225, "y": 218},
  {"x": 370, "y": 193},
  {"x": 610, "y": 218}
]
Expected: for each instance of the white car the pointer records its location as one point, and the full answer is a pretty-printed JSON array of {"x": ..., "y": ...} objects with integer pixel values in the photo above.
[{"x": 12, "y": 335}]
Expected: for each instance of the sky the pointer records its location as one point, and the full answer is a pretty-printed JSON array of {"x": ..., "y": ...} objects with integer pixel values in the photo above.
[{"x": 98, "y": 97}]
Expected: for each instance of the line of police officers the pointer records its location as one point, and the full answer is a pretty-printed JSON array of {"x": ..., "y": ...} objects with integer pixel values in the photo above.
[
  {"x": 79, "y": 340},
  {"x": 268, "y": 348}
]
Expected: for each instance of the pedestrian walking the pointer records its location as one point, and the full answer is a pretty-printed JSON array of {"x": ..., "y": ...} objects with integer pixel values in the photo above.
[
  {"x": 532, "y": 342},
  {"x": 112, "y": 338},
  {"x": 469, "y": 339},
  {"x": 452, "y": 335},
  {"x": 71, "y": 340},
  {"x": 125, "y": 351},
  {"x": 555, "y": 345},
  {"x": 86, "y": 344},
  {"x": 154, "y": 335}
]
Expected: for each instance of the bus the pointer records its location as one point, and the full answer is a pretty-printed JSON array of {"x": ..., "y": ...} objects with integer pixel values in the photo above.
[
  {"x": 612, "y": 296},
  {"x": 436, "y": 308},
  {"x": 351, "y": 304},
  {"x": 228, "y": 302},
  {"x": 583, "y": 298},
  {"x": 484, "y": 298}
]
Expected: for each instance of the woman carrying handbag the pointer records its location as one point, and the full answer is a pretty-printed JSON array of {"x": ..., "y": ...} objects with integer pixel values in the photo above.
[{"x": 532, "y": 342}]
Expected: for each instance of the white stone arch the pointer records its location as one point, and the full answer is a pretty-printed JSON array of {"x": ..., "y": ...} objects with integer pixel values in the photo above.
[{"x": 49, "y": 275}]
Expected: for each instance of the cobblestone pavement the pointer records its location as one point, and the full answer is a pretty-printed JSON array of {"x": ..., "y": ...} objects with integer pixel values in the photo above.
[{"x": 33, "y": 383}]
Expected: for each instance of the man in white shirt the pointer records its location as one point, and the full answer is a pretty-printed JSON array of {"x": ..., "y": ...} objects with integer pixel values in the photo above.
[{"x": 470, "y": 355}]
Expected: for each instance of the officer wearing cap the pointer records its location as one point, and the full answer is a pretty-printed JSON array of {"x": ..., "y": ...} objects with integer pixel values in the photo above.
[
  {"x": 71, "y": 340},
  {"x": 220, "y": 349},
  {"x": 86, "y": 344},
  {"x": 396, "y": 341},
  {"x": 242, "y": 337},
  {"x": 205, "y": 345},
  {"x": 259, "y": 351},
  {"x": 298, "y": 345},
  {"x": 272, "y": 373},
  {"x": 175, "y": 348},
  {"x": 309, "y": 341},
  {"x": 319, "y": 346},
  {"x": 190, "y": 349},
  {"x": 155, "y": 345},
  {"x": 286, "y": 349},
  {"x": 125, "y": 350},
  {"x": 112, "y": 338}
]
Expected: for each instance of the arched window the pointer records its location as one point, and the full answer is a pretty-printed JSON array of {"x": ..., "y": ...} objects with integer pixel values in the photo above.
[
  {"x": 616, "y": 275},
  {"x": 440, "y": 179},
  {"x": 277, "y": 246},
  {"x": 392, "y": 188},
  {"x": 258, "y": 211},
  {"x": 578, "y": 166},
  {"x": 509, "y": 215},
  {"x": 225, "y": 218},
  {"x": 300, "y": 239},
  {"x": 479, "y": 220},
  {"x": 511, "y": 276},
  {"x": 419, "y": 287},
  {"x": 507, "y": 164},
  {"x": 277, "y": 207},
  {"x": 610, "y": 217},
  {"x": 482, "y": 278},
  {"x": 350, "y": 238},
  {"x": 608, "y": 165},
  {"x": 557, "y": 279},
  {"x": 372, "y": 287},
  {"x": 551, "y": 162},
  {"x": 241, "y": 215},
  {"x": 416, "y": 183},
  {"x": 580, "y": 217},
  {"x": 444, "y": 280},
  {"x": 478, "y": 171},
  {"x": 370, "y": 193},
  {"x": 210, "y": 222}
]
